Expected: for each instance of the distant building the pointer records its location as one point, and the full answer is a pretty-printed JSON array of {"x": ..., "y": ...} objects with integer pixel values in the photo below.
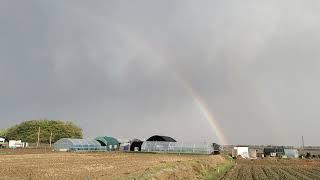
[
  {"x": 241, "y": 151},
  {"x": 253, "y": 153},
  {"x": 2, "y": 140},
  {"x": 217, "y": 148},
  {"x": 110, "y": 143},
  {"x": 291, "y": 153},
  {"x": 68, "y": 144},
  {"x": 166, "y": 144},
  {"x": 276, "y": 151},
  {"x": 17, "y": 144},
  {"x": 135, "y": 145}
]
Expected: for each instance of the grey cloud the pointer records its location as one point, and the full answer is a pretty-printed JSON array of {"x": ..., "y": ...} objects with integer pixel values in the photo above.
[{"x": 112, "y": 67}]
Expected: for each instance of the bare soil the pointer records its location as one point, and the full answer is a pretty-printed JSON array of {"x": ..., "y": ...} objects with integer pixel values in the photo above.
[
  {"x": 270, "y": 168},
  {"x": 35, "y": 164}
]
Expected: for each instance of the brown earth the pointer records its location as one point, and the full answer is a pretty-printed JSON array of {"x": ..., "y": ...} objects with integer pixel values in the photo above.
[
  {"x": 270, "y": 168},
  {"x": 115, "y": 165}
]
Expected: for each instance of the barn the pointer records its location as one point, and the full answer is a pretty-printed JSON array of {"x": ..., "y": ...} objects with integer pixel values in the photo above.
[
  {"x": 68, "y": 144},
  {"x": 110, "y": 143}
]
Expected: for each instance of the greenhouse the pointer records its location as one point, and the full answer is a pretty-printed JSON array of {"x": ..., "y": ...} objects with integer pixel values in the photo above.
[
  {"x": 109, "y": 143},
  {"x": 291, "y": 153},
  {"x": 136, "y": 145},
  {"x": 177, "y": 147},
  {"x": 67, "y": 144}
]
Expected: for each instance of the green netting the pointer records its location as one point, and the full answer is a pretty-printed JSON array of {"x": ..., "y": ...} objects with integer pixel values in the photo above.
[{"x": 109, "y": 143}]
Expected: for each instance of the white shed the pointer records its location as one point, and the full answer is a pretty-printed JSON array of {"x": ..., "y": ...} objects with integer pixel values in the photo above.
[
  {"x": 242, "y": 151},
  {"x": 2, "y": 140},
  {"x": 17, "y": 144}
]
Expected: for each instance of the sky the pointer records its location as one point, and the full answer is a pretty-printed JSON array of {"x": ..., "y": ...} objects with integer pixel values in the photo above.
[{"x": 125, "y": 68}]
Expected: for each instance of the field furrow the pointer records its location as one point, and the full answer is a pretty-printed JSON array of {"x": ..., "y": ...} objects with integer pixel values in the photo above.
[
  {"x": 296, "y": 173},
  {"x": 258, "y": 173},
  {"x": 270, "y": 173},
  {"x": 312, "y": 173},
  {"x": 282, "y": 173}
]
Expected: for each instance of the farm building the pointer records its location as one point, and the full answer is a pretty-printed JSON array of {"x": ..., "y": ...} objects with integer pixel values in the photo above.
[
  {"x": 67, "y": 144},
  {"x": 124, "y": 144},
  {"x": 253, "y": 153},
  {"x": 2, "y": 139},
  {"x": 177, "y": 147},
  {"x": 136, "y": 145},
  {"x": 109, "y": 142},
  {"x": 291, "y": 153},
  {"x": 17, "y": 144},
  {"x": 241, "y": 151},
  {"x": 217, "y": 148},
  {"x": 161, "y": 138},
  {"x": 276, "y": 151},
  {"x": 3, "y": 142}
]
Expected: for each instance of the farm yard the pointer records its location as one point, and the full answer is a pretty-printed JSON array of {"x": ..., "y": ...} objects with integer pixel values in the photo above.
[
  {"x": 113, "y": 165},
  {"x": 275, "y": 169}
]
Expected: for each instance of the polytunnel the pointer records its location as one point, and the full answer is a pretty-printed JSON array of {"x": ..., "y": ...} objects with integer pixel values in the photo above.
[
  {"x": 136, "y": 145},
  {"x": 68, "y": 144},
  {"x": 109, "y": 143},
  {"x": 177, "y": 147}
]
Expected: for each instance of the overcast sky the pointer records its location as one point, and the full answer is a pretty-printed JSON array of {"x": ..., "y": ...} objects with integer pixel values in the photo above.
[{"x": 111, "y": 67}]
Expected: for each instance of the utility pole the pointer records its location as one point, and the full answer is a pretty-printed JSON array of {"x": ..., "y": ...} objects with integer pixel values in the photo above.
[
  {"x": 302, "y": 142},
  {"x": 38, "y": 142},
  {"x": 50, "y": 138}
]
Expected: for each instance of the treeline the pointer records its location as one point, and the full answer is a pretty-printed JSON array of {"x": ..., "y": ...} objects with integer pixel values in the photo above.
[{"x": 28, "y": 131}]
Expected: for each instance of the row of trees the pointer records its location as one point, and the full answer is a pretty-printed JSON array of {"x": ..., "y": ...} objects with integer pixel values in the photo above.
[{"x": 28, "y": 131}]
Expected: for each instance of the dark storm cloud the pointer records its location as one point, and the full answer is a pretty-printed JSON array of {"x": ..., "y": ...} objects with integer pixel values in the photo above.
[{"x": 114, "y": 67}]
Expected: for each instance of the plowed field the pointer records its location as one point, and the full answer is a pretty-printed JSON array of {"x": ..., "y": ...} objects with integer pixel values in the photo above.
[
  {"x": 275, "y": 169},
  {"x": 107, "y": 165}
]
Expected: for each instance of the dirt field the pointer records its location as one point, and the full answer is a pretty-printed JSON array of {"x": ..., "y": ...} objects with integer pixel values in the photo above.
[
  {"x": 49, "y": 165},
  {"x": 275, "y": 169}
]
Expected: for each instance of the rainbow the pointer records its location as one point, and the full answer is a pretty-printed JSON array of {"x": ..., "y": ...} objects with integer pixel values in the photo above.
[
  {"x": 203, "y": 107},
  {"x": 199, "y": 102}
]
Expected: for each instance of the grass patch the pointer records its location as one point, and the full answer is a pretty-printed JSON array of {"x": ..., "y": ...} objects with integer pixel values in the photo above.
[
  {"x": 150, "y": 172},
  {"x": 202, "y": 168},
  {"x": 219, "y": 171}
]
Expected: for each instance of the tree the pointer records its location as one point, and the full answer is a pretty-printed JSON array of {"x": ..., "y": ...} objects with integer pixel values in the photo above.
[
  {"x": 3, "y": 132},
  {"x": 28, "y": 131}
]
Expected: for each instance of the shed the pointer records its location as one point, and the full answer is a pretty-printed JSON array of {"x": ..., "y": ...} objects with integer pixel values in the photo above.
[
  {"x": 241, "y": 151},
  {"x": 2, "y": 139},
  {"x": 276, "y": 151},
  {"x": 161, "y": 138},
  {"x": 109, "y": 142},
  {"x": 217, "y": 148},
  {"x": 68, "y": 144},
  {"x": 136, "y": 145},
  {"x": 291, "y": 153}
]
